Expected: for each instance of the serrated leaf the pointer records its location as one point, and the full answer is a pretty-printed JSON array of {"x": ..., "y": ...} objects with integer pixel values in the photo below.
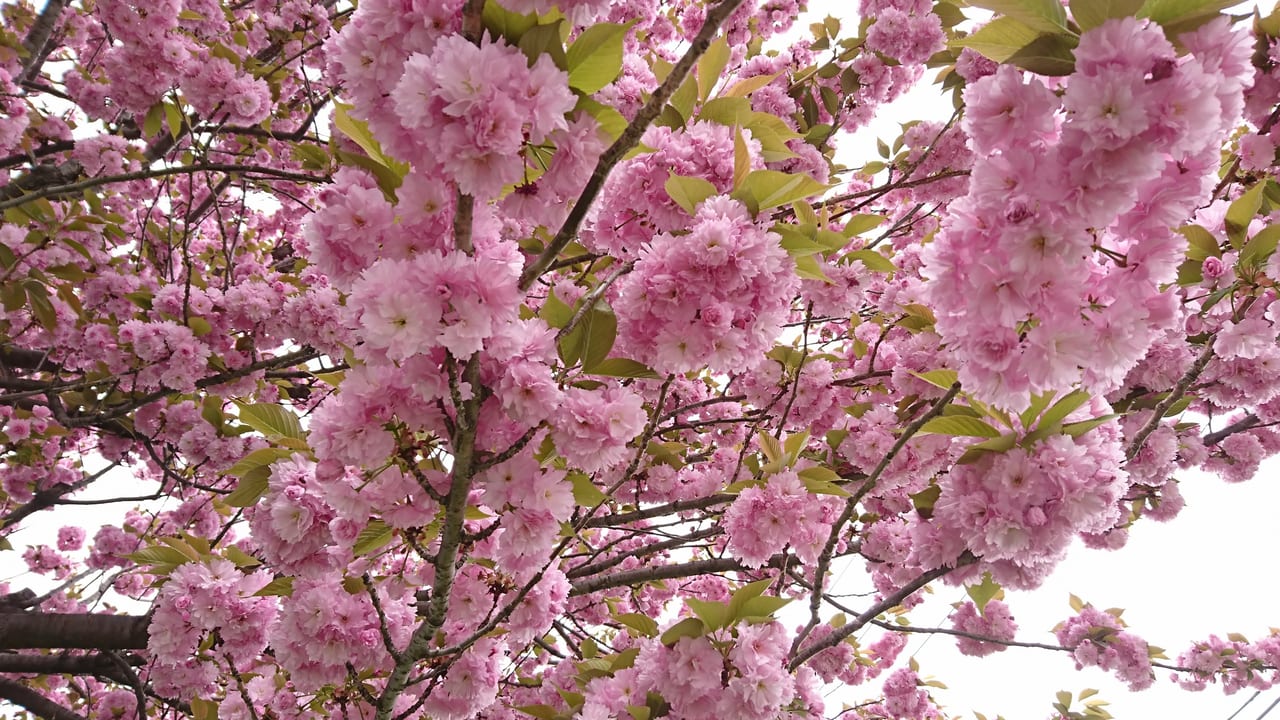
[
  {"x": 770, "y": 447},
  {"x": 555, "y": 312},
  {"x": 999, "y": 39},
  {"x": 41, "y": 307},
  {"x": 358, "y": 132},
  {"x": 1047, "y": 55},
  {"x": 252, "y": 486},
  {"x": 1076, "y": 429},
  {"x": 159, "y": 555},
  {"x": 743, "y": 88},
  {"x": 591, "y": 339},
  {"x": 822, "y": 481},
  {"x": 874, "y": 261},
  {"x": 688, "y": 627},
  {"x": 939, "y": 378},
  {"x": 762, "y": 607},
  {"x": 689, "y": 192},
  {"x": 744, "y": 594},
  {"x": 608, "y": 118},
  {"x": 241, "y": 559},
  {"x": 925, "y": 500},
  {"x": 376, "y": 535},
  {"x": 271, "y": 420},
  {"x": 1242, "y": 211},
  {"x": 282, "y": 586},
  {"x": 585, "y": 492},
  {"x": 771, "y": 188},
  {"x": 595, "y": 58},
  {"x": 714, "y": 614},
  {"x": 984, "y": 592},
  {"x": 624, "y": 368},
  {"x": 1260, "y": 247},
  {"x": 711, "y": 66},
  {"x": 1043, "y": 15},
  {"x": 259, "y": 458},
  {"x": 859, "y": 224},
  {"x": 1090, "y": 14},
  {"x": 642, "y": 624},
  {"x": 959, "y": 425},
  {"x": 542, "y": 712},
  {"x": 977, "y": 450}
]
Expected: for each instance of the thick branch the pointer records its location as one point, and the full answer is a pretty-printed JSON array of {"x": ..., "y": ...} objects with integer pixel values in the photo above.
[
  {"x": 1245, "y": 423},
  {"x": 38, "y": 38},
  {"x": 665, "y": 572},
  {"x": 34, "y": 702},
  {"x": 65, "y": 664},
  {"x": 627, "y": 140},
  {"x": 80, "y": 631}
]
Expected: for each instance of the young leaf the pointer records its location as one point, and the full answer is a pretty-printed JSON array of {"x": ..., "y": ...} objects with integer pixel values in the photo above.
[
  {"x": 271, "y": 420},
  {"x": 959, "y": 425},
  {"x": 595, "y": 58},
  {"x": 688, "y": 192}
]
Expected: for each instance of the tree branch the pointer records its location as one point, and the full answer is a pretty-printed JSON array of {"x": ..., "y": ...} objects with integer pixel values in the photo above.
[
  {"x": 80, "y": 631},
  {"x": 627, "y": 140},
  {"x": 34, "y": 702}
]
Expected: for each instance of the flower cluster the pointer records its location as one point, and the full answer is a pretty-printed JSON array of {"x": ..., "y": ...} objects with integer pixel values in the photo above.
[
  {"x": 1099, "y": 638},
  {"x": 715, "y": 297},
  {"x": 764, "y": 520}
]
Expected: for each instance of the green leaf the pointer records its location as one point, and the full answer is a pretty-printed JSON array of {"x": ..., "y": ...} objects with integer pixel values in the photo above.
[
  {"x": 624, "y": 368},
  {"x": 743, "y": 88},
  {"x": 1047, "y": 55},
  {"x": 688, "y": 192},
  {"x": 555, "y": 312},
  {"x": 939, "y": 378},
  {"x": 771, "y": 188},
  {"x": 977, "y": 450},
  {"x": 1201, "y": 244},
  {"x": 585, "y": 492},
  {"x": 152, "y": 122},
  {"x": 959, "y": 425},
  {"x": 1242, "y": 211},
  {"x": 591, "y": 339},
  {"x": 542, "y": 712},
  {"x": 714, "y": 614},
  {"x": 711, "y": 66},
  {"x": 726, "y": 111},
  {"x": 745, "y": 593},
  {"x": 610, "y": 120},
  {"x": 1046, "y": 16},
  {"x": 41, "y": 307},
  {"x": 642, "y": 624},
  {"x": 685, "y": 97},
  {"x": 173, "y": 118},
  {"x": 999, "y": 39},
  {"x": 822, "y": 481},
  {"x": 359, "y": 133},
  {"x": 1039, "y": 402},
  {"x": 260, "y": 458},
  {"x": 544, "y": 40},
  {"x": 271, "y": 420},
  {"x": 1076, "y": 429},
  {"x": 874, "y": 261},
  {"x": 159, "y": 555},
  {"x": 595, "y": 58},
  {"x": 762, "y": 607},
  {"x": 1182, "y": 12},
  {"x": 925, "y": 500},
  {"x": 252, "y": 486},
  {"x": 1260, "y": 247},
  {"x": 282, "y": 585},
  {"x": 1064, "y": 407},
  {"x": 1090, "y": 14},
  {"x": 376, "y": 535},
  {"x": 859, "y": 224},
  {"x": 500, "y": 21},
  {"x": 984, "y": 592},
  {"x": 770, "y": 447},
  {"x": 807, "y": 267},
  {"x": 688, "y": 627},
  {"x": 241, "y": 559}
]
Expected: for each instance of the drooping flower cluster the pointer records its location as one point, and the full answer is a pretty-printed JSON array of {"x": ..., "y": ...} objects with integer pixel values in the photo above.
[
  {"x": 1136, "y": 146},
  {"x": 1099, "y": 638},
  {"x": 1234, "y": 662},
  {"x": 715, "y": 297},
  {"x": 764, "y": 520},
  {"x": 198, "y": 599},
  {"x": 993, "y": 621}
]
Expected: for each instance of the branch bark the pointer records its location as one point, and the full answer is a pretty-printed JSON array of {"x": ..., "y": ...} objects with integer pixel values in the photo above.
[
  {"x": 34, "y": 702},
  {"x": 79, "y": 631}
]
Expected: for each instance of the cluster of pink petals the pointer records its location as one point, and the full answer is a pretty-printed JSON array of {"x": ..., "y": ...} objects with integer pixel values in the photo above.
[
  {"x": 1099, "y": 638},
  {"x": 715, "y": 297},
  {"x": 1022, "y": 297}
]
